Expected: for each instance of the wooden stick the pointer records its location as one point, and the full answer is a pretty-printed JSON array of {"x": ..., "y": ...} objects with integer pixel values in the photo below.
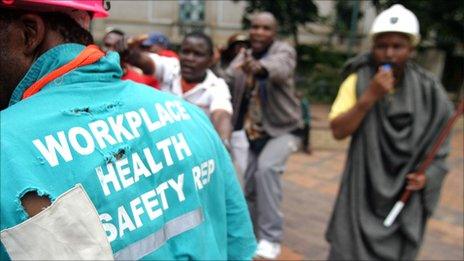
[{"x": 425, "y": 164}]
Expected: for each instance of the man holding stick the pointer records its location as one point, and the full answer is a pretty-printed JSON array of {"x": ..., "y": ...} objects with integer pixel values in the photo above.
[{"x": 394, "y": 111}]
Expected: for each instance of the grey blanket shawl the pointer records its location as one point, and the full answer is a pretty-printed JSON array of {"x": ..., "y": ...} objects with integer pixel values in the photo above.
[{"x": 390, "y": 143}]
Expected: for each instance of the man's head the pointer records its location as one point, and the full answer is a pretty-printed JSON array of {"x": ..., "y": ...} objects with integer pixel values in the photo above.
[
  {"x": 394, "y": 34},
  {"x": 236, "y": 42},
  {"x": 196, "y": 56},
  {"x": 155, "y": 42},
  {"x": 111, "y": 40},
  {"x": 394, "y": 49},
  {"x": 262, "y": 31},
  {"x": 28, "y": 29}
]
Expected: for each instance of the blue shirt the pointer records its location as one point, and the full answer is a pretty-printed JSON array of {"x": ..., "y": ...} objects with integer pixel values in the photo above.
[{"x": 125, "y": 143}]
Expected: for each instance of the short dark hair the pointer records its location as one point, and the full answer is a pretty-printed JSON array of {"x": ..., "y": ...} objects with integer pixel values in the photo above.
[
  {"x": 6, "y": 15},
  {"x": 204, "y": 37},
  {"x": 69, "y": 29}
]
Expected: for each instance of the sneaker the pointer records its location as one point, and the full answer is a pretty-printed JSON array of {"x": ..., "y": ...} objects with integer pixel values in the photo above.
[{"x": 267, "y": 250}]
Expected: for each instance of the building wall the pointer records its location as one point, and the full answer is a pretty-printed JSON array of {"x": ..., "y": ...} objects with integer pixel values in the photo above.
[{"x": 222, "y": 18}]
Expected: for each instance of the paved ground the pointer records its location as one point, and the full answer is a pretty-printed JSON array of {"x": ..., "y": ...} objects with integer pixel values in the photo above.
[{"x": 311, "y": 183}]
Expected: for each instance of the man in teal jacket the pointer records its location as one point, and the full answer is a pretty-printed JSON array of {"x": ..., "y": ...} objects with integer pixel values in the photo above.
[{"x": 93, "y": 167}]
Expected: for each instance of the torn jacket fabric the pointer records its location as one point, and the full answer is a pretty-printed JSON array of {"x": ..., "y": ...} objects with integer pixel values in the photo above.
[{"x": 152, "y": 164}]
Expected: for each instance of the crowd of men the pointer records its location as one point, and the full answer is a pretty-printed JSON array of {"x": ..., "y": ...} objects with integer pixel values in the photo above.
[
  {"x": 249, "y": 95},
  {"x": 96, "y": 164}
]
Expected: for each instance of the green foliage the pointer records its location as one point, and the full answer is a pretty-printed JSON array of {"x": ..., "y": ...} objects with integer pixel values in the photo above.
[
  {"x": 444, "y": 18},
  {"x": 318, "y": 72},
  {"x": 344, "y": 11},
  {"x": 289, "y": 13}
]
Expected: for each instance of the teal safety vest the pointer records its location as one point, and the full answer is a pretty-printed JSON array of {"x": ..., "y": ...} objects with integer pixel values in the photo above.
[{"x": 152, "y": 164}]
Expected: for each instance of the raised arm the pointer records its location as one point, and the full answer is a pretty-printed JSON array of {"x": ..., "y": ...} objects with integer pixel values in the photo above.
[
  {"x": 221, "y": 111},
  {"x": 280, "y": 65},
  {"x": 348, "y": 122},
  {"x": 141, "y": 60},
  {"x": 222, "y": 121}
]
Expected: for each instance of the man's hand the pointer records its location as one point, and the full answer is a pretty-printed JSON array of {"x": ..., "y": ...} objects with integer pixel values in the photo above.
[
  {"x": 136, "y": 41},
  {"x": 228, "y": 146},
  {"x": 415, "y": 181},
  {"x": 121, "y": 45},
  {"x": 348, "y": 122},
  {"x": 382, "y": 83},
  {"x": 251, "y": 65}
]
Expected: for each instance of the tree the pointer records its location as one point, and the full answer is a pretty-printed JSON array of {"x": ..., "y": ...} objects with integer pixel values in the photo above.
[
  {"x": 343, "y": 21},
  {"x": 289, "y": 14},
  {"x": 348, "y": 14}
]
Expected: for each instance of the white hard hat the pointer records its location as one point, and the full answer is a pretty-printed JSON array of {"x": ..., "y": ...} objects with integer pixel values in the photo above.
[{"x": 397, "y": 19}]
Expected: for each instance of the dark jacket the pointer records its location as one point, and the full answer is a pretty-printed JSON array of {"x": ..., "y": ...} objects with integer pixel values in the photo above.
[{"x": 281, "y": 108}]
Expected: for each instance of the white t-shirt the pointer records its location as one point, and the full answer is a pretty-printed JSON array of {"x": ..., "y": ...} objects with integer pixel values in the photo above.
[{"x": 210, "y": 95}]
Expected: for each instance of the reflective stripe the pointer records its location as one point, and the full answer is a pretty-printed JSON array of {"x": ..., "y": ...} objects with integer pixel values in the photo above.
[{"x": 154, "y": 241}]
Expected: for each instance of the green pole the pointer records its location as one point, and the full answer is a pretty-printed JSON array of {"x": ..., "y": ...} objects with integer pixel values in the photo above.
[{"x": 353, "y": 26}]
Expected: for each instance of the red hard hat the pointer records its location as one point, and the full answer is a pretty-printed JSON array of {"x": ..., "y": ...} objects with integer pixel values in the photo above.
[{"x": 94, "y": 6}]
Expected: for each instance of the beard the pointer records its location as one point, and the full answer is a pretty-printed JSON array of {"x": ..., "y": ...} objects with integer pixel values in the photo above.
[
  {"x": 12, "y": 70},
  {"x": 5, "y": 85}
]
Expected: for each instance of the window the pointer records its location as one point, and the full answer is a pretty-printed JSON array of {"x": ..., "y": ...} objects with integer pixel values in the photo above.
[{"x": 191, "y": 15}]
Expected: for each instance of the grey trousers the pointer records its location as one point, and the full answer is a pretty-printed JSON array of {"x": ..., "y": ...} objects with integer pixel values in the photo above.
[{"x": 263, "y": 189}]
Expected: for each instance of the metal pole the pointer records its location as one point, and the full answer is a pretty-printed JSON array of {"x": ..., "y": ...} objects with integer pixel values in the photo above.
[{"x": 353, "y": 25}]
